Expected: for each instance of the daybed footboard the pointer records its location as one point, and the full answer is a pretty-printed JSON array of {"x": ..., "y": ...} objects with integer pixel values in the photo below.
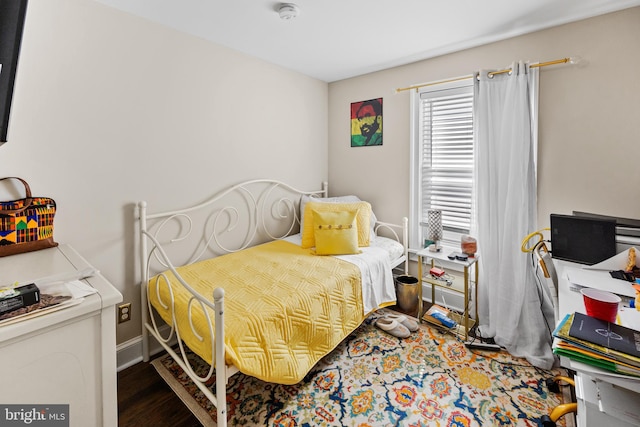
[{"x": 167, "y": 339}]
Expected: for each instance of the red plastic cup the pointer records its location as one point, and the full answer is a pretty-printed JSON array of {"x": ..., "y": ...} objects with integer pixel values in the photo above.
[{"x": 602, "y": 305}]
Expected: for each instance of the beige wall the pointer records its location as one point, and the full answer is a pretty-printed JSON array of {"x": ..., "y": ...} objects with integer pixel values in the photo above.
[
  {"x": 110, "y": 109},
  {"x": 589, "y": 129},
  {"x": 99, "y": 91}
]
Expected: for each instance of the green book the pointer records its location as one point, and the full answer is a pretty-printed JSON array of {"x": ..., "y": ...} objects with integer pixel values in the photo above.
[{"x": 599, "y": 363}]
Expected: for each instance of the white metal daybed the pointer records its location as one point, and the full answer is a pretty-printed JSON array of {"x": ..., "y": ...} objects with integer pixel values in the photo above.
[{"x": 237, "y": 284}]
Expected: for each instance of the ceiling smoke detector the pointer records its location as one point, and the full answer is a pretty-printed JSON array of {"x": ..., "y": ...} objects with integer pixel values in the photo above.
[{"x": 288, "y": 11}]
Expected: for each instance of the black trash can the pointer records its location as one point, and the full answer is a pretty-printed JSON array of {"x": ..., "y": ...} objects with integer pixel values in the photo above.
[{"x": 407, "y": 293}]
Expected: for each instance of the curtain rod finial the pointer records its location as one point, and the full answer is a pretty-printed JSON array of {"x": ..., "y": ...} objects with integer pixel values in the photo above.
[{"x": 575, "y": 60}]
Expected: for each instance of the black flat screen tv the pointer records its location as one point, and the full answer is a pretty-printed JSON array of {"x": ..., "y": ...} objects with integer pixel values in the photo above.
[
  {"x": 12, "y": 15},
  {"x": 584, "y": 240}
]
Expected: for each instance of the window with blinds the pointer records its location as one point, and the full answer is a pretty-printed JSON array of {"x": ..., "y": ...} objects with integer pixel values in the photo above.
[{"x": 445, "y": 156}]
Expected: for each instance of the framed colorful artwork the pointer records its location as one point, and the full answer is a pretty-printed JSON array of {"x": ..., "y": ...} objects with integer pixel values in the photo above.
[{"x": 366, "y": 123}]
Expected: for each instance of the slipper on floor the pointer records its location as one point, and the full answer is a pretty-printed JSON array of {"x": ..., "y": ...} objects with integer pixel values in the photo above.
[
  {"x": 408, "y": 323},
  {"x": 393, "y": 327}
]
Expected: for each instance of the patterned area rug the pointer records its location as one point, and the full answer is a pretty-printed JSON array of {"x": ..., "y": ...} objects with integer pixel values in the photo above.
[{"x": 375, "y": 379}]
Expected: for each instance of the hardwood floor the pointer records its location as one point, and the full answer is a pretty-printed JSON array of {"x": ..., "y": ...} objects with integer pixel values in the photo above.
[{"x": 144, "y": 399}]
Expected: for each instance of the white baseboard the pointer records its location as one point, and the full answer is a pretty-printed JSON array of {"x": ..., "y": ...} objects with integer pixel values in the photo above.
[{"x": 129, "y": 352}]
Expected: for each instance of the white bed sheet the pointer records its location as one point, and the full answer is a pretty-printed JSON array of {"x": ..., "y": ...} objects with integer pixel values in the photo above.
[{"x": 375, "y": 269}]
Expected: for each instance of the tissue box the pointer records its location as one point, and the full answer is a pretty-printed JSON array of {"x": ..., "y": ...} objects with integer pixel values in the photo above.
[
  {"x": 439, "y": 316},
  {"x": 13, "y": 298}
]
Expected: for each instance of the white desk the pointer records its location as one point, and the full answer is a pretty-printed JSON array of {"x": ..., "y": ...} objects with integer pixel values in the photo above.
[
  {"x": 66, "y": 356},
  {"x": 600, "y": 393}
]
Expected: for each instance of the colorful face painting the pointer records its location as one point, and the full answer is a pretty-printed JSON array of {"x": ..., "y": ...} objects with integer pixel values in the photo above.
[{"x": 366, "y": 123}]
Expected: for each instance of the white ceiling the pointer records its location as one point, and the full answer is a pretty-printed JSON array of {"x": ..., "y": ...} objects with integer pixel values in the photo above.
[{"x": 336, "y": 39}]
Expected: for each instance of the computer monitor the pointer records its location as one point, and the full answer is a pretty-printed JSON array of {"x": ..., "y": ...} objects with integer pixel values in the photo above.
[{"x": 584, "y": 240}]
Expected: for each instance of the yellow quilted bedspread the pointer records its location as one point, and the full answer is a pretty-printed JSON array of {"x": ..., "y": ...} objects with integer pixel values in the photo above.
[{"x": 285, "y": 308}]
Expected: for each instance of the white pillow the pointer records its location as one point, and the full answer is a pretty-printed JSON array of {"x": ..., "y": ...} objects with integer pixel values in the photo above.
[
  {"x": 339, "y": 199},
  {"x": 392, "y": 247}
]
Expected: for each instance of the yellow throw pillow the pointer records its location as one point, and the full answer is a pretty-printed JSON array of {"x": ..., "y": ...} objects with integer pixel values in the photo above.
[
  {"x": 336, "y": 233},
  {"x": 362, "y": 220}
]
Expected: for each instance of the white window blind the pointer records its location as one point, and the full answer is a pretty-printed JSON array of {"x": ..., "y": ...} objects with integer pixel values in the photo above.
[{"x": 445, "y": 133}]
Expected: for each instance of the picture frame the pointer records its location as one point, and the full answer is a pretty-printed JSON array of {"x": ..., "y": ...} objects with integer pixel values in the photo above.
[{"x": 366, "y": 123}]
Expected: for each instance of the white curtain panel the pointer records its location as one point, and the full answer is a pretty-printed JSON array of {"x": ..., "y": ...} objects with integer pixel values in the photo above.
[{"x": 510, "y": 307}]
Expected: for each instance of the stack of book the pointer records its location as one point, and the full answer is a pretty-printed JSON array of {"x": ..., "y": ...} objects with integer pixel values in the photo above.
[{"x": 598, "y": 343}]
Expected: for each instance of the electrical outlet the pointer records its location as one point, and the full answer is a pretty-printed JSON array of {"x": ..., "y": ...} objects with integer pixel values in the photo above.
[{"x": 124, "y": 312}]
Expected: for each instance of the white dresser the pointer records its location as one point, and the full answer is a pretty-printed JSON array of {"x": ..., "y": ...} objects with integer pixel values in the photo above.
[{"x": 66, "y": 356}]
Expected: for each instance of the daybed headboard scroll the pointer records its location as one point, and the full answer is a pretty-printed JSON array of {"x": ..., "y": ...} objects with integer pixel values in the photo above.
[{"x": 241, "y": 216}]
